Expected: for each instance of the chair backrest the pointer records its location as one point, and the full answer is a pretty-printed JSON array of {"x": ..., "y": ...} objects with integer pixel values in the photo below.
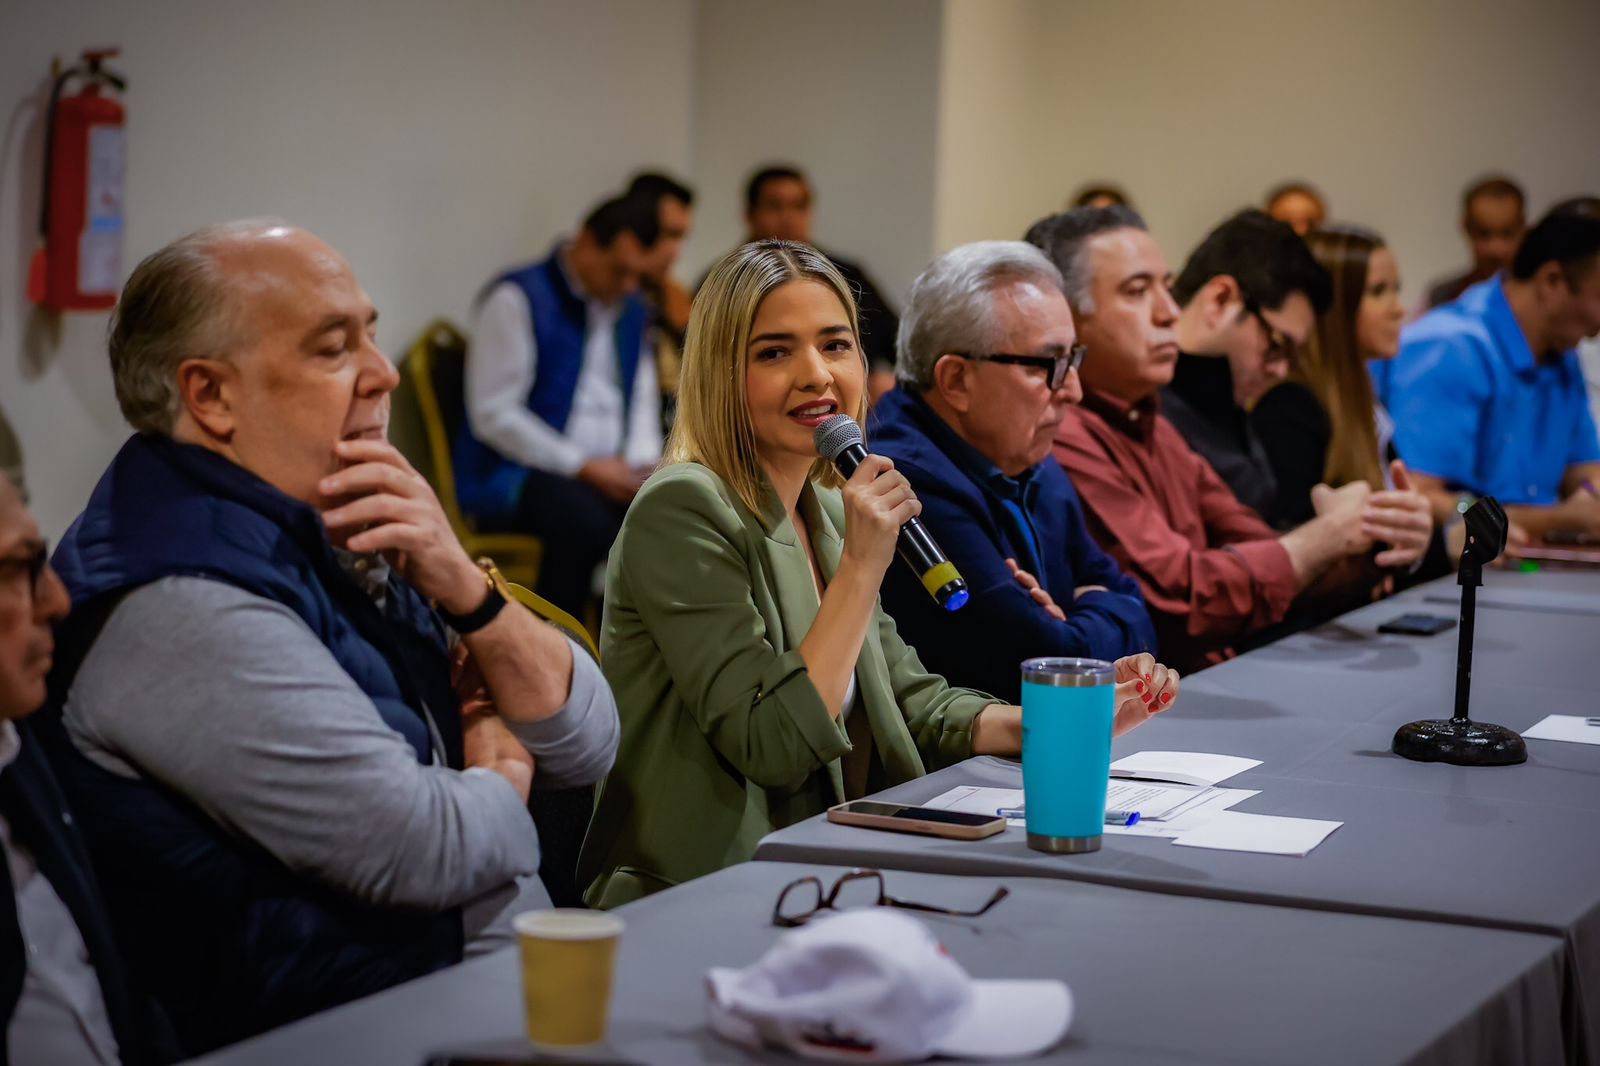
[
  {"x": 435, "y": 370},
  {"x": 555, "y": 616}
]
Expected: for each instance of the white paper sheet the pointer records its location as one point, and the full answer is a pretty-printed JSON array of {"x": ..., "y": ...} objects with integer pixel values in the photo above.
[
  {"x": 1267, "y": 834},
  {"x": 1163, "y": 809},
  {"x": 1209, "y": 802},
  {"x": 1573, "y": 728},
  {"x": 1181, "y": 767},
  {"x": 975, "y": 800}
]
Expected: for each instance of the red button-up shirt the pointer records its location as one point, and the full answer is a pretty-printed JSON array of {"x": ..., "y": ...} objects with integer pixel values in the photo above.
[{"x": 1211, "y": 569}]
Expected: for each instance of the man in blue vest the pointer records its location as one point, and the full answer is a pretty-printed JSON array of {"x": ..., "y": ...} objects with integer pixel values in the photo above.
[
  {"x": 294, "y": 719},
  {"x": 563, "y": 410},
  {"x": 65, "y": 995}
]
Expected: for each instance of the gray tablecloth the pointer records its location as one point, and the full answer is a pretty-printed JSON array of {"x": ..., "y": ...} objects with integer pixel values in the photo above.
[
  {"x": 1156, "y": 979},
  {"x": 1510, "y": 847}
]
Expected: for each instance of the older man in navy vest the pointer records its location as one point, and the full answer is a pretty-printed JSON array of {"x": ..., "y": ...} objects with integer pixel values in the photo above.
[
  {"x": 296, "y": 721},
  {"x": 563, "y": 409},
  {"x": 65, "y": 995}
]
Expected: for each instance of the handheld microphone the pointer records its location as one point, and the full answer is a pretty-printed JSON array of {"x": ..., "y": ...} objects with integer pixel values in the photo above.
[{"x": 839, "y": 441}]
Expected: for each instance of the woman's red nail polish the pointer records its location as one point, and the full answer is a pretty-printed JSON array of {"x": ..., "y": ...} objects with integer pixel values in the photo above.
[
  {"x": 1166, "y": 697},
  {"x": 1138, "y": 686},
  {"x": 1147, "y": 677}
]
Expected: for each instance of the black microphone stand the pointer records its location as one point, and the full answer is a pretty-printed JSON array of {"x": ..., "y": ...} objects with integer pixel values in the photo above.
[{"x": 1460, "y": 740}]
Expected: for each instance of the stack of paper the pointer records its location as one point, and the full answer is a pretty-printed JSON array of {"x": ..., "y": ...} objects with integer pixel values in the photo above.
[
  {"x": 1176, "y": 796},
  {"x": 1573, "y": 728}
]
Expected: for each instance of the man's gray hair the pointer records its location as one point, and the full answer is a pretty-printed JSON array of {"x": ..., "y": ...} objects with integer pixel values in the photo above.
[
  {"x": 951, "y": 306},
  {"x": 176, "y": 306},
  {"x": 1065, "y": 239}
]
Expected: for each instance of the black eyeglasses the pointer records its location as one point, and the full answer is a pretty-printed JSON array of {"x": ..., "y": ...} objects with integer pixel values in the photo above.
[
  {"x": 1280, "y": 346},
  {"x": 803, "y": 899},
  {"x": 33, "y": 565},
  {"x": 1057, "y": 366}
]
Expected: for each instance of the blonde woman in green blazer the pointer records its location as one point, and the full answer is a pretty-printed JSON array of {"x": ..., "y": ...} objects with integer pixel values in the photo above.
[{"x": 757, "y": 679}]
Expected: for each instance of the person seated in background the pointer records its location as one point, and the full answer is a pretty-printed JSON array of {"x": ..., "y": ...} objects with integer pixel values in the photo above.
[
  {"x": 295, "y": 724},
  {"x": 1323, "y": 425},
  {"x": 1100, "y": 194},
  {"x": 1214, "y": 574},
  {"x": 563, "y": 410},
  {"x": 759, "y": 679},
  {"x": 778, "y": 206},
  {"x": 1249, "y": 297},
  {"x": 65, "y": 994},
  {"x": 1299, "y": 205},
  {"x": 1493, "y": 218},
  {"x": 1488, "y": 396},
  {"x": 669, "y": 299},
  {"x": 986, "y": 368}
]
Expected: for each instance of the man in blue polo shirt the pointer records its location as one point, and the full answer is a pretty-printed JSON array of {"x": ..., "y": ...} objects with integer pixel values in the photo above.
[
  {"x": 1488, "y": 396},
  {"x": 987, "y": 365}
]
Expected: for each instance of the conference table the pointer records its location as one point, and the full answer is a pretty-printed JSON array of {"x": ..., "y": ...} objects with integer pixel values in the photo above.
[
  {"x": 1155, "y": 979},
  {"x": 1510, "y": 848},
  {"x": 1453, "y": 918}
]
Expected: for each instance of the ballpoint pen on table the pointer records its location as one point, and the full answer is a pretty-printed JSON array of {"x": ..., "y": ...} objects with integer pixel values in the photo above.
[{"x": 1112, "y": 817}]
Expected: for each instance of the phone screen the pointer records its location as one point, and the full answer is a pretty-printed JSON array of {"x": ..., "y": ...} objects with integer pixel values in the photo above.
[
  {"x": 1420, "y": 625},
  {"x": 920, "y": 814}
]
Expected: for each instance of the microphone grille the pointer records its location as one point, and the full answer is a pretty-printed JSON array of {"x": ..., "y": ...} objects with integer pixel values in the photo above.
[{"x": 835, "y": 435}]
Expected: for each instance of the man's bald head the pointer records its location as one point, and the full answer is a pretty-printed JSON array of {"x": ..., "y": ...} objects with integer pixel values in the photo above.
[{"x": 199, "y": 297}]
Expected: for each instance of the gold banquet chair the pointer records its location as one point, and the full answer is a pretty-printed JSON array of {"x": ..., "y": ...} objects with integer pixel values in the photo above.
[{"x": 433, "y": 383}]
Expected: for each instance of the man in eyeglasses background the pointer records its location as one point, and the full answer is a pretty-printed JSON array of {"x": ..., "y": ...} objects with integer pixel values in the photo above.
[
  {"x": 1214, "y": 574},
  {"x": 987, "y": 363},
  {"x": 1248, "y": 297},
  {"x": 64, "y": 995}
]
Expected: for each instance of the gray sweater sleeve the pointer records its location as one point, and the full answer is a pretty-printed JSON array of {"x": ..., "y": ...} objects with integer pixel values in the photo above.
[
  {"x": 576, "y": 745},
  {"x": 230, "y": 699}
]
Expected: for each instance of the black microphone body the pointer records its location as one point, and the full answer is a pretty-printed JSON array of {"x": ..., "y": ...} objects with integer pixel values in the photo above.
[{"x": 914, "y": 544}]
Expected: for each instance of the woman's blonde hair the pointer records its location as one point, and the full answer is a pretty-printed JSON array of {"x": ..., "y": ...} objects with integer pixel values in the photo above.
[
  {"x": 1332, "y": 364},
  {"x": 713, "y": 423}
]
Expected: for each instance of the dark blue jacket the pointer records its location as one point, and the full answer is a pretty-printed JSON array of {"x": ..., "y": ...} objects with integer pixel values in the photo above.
[
  {"x": 229, "y": 940},
  {"x": 37, "y": 813},
  {"x": 487, "y": 483},
  {"x": 983, "y": 644}
]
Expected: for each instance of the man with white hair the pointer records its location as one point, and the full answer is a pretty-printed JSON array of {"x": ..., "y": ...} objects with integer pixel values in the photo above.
[
  {"x": 987, "y": 365},
  {"x": 299, "y": 728}
]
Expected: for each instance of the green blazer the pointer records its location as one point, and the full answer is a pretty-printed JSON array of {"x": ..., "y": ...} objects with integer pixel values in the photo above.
[{"x": 724, "y": 737}]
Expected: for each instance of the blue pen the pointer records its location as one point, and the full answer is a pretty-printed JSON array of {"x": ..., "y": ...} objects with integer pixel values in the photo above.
[{"x": 1112, "y": 817}]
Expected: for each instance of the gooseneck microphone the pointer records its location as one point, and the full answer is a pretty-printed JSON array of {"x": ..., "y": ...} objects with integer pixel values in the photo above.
[{"x": 839, "y": 441}]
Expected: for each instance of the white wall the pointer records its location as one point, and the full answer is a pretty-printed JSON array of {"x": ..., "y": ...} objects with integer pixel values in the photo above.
[
  {"x": 431, "y": 143},
  {"x": 986, "y": 186},
  {"x": 1391, "y": 108},
  {"x": 847, "y": 90},
  {"x": 434, "y": 143}
]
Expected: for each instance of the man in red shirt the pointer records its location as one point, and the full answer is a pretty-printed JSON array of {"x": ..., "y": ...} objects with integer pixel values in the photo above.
[{"x": 1213, "y": 572}]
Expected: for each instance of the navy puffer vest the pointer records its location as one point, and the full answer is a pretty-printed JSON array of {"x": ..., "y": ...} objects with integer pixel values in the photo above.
[
  {"x": 229, "y": 940},
  {"x": 487, "y": 483}
]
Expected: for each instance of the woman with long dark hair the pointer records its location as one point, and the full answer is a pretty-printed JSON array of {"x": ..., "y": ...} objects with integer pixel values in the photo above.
[{"x": 1325, "y": 425}]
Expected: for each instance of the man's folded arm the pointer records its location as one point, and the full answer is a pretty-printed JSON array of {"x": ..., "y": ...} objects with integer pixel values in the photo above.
[{"x": 230, "y": 700}]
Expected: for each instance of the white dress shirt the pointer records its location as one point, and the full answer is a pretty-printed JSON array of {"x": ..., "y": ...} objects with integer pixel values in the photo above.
[
  {"x": 61, "y": 1015},
  {"x": 502, "y": 362}
]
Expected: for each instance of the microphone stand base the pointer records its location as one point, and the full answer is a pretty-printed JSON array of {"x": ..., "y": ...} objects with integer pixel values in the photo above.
[{"x": 1460, "y": 741}]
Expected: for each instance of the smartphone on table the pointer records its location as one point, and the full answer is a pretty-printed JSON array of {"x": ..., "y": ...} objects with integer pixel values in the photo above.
[
  {"x": 1417, "y": 625},
  {"x": 929, "y": 821}
]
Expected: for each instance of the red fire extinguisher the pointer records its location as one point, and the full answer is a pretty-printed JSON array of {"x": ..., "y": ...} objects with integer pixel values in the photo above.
[{"x": 78, "y": 265}]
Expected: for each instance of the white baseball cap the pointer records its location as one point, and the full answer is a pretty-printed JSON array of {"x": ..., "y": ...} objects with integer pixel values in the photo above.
[{"x": 873, "y": 985}]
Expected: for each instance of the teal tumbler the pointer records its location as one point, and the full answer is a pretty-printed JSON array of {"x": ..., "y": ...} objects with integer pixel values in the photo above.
[{"x": 1067, "y": 711}]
